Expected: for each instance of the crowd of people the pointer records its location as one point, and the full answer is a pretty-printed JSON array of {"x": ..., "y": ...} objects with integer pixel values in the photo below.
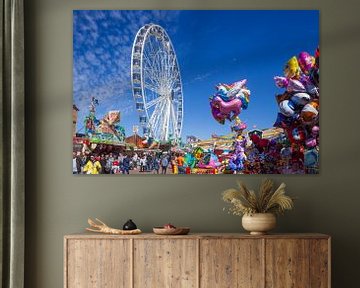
[{"x": 128, "y": 163}]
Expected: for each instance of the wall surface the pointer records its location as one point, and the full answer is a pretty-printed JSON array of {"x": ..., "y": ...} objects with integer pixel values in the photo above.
[{"x": 58, "y": 203}]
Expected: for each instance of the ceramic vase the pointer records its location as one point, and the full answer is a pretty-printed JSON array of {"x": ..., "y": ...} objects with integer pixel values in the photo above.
[{"x": 259, "y": 223}]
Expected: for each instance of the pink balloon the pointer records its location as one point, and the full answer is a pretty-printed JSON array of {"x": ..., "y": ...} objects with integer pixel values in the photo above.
[
  {"x": 306, "y": 62},
  {"x": 281, "y": 82},
  {"x": 229, "y": 109},
  {"x": 295, "y": 86}
]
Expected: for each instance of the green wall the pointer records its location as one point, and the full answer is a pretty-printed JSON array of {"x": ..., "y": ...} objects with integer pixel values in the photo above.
[{"x": 58, "y": 203}]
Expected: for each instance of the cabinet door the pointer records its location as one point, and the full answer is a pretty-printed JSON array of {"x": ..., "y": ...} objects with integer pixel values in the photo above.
[
  {"x": 98, "y": 263},
  {"x": 320, "y": 263},
  {"x": 165, "y": 263},
  {"x": 231, "y": 263},
  {"x": 287, "y": 263}
]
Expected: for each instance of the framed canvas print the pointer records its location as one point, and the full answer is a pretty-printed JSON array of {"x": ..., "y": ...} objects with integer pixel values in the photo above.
[{"x": 196, "y": 92}]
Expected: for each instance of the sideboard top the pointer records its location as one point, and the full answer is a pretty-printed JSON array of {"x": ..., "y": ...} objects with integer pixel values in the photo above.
[{"x": 87, "y": 235}]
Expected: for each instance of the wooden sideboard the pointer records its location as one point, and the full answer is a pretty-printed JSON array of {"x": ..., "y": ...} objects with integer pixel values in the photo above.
[{"x": 197, "y": 260}]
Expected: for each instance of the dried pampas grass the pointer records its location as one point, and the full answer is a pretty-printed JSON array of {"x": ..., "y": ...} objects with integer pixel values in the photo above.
[{"x": 267, "y": 200}]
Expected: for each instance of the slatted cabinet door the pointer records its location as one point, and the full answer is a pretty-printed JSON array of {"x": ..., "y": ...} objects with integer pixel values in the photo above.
[
  {"x": 320, "y": 263},
  {"x": 297, "y": 263},
  {"x": 231, "y": 263},
  {"x": 99, "y": 263},
  {"x": 165, "y": 263},
  {"x": 287, "y": 263}
]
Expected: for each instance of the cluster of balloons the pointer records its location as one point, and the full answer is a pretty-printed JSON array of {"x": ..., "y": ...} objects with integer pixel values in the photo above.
[
  {"x": 238, "y": 158},
  {"x": 227, "y": 104},
  {"x": 299, "y": 103},
  {"x": 229, "y": 100}
]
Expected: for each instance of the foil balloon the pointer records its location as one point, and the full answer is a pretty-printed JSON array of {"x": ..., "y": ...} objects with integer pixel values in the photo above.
[
  {"x": 287, "y": 107},
  {"x": 236, "y": 87},
  {"x": 282, "y": 121},
  {"x": 306, "y": 62},
  {"x": 281, "y": 82},
  {"x": 190, "y": 160},
  {"x": 210, "y": 160},
  {"x": 263, "y": 143},
  {"x": 295, "y": 86},
  {"x": 311, "y": 158},
  {"x": 292, "y": 68},
  {"x": 198, "y": 153},
  {"x": 228, "y": 92},
  {"x": 236, "y": 162},
  {"x": 215, "y": 111},
  {"x": 312, "y": 89},
  {"x": 244, "y": 96},
  {"x": 313, "y": 140},
  {"x": 297, "y": 134},
  {"x": 222, "y": 90},
  {"x": 310, "y": 112},
  {"x": 317, "y": 57},
  {"x": 315, "y": 75},
  {"x": 300, "y": 99},
  {"x": 281, "y": 97},
  {"x": 310, "y": 86},
  {"x": 229, "y": 109},
  {"x": 238, "y": 126}
]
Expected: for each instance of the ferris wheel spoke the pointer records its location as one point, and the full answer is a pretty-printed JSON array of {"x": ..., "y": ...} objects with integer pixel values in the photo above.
[
  {"x": 154, "y": 102},
  {"x": 156, "y": 117},
  {"x": 168, "y": 118},
  {"x": 149, "y": 69},
  {"x": 151, "y": 81},
  {"x": 159, "y": 121},
  {"x": 152, "y": 87},
  {"x": 152, "y": 77},
  {"x": 173, "y": 120},
  {"x": 154, "y": 49},
  {"x": 157, "y": 112}
]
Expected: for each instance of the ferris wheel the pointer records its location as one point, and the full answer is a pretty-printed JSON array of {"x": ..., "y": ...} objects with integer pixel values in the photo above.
[{"x": 156, "y": 84}]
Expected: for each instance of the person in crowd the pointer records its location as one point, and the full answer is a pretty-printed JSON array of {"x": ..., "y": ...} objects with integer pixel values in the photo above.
[
  {"x": 138, "y": 162},
  {"x": 143, "y": 163},
  {"x": 121, "y": 157},
  {"x": 109, "y": 162},
  {"x": 180, "y": 163},
  {"x": 103, "y": 163},
  {"x": 149, "y": 162},
  {"x": 93, "y": 166},
  {"x": 77, "y": 163},
  {"x": 84, "y": 159},
  {"x": 164, "y": 164},
  {"x": 126, "y": 165},
  {"x": 135, "y": 161},
  {"x": 106, "y": 165},
  {"x": 115, "y": 168},
  {"x": 174, "y": 166},
  {"x": 156, "y": 165}
]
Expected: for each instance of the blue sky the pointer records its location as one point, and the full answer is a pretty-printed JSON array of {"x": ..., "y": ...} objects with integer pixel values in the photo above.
[{"x": 211, "y": 47}]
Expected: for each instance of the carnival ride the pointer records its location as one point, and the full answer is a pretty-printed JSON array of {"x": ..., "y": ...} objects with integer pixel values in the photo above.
[{"x": 156, "y": 84}]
